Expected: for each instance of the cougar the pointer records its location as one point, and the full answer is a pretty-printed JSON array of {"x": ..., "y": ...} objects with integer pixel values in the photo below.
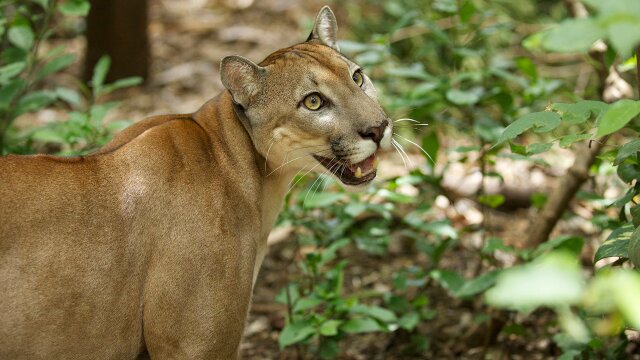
[{"x": 150, "y": 247}]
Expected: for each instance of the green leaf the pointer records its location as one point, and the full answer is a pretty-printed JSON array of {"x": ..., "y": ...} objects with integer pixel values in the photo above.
[
  {"x": 441, "y": 228},
  {"x": 579, "y": 112},
  {"x": 396, "y": 197},
  {"x": 539, "y": 121},
  {"x": 460, "y": 97},
  {"x": 330, "y": 327},
  {"x": 627, "y": 150},
  {"x": 320, "y": 200},
  {"x": 70, "y": 96},
  {"x": 431, "y": 145},
  {"x": 8, "y": 72},
  {"x": 75, "y": 8},
  {"x": 99, "y": 74},
  {"x": 635, "y": 215},
  {"x": 354, "y": 209},
  {"x": 47, "y": 135},
  {"x": 122, "y": 83},
  {"x": 361, "y": 325},
  {"x": 616, "y": 244},
  {"x": 450, "y": 280},
  {"x": 9, "y": 91},
  {"x": 21, "y": 36},
  {"x": 493, "y": 244},
  {"x": 492, "y": 200},
  {"x": 617, "y": 116},
  {"x": 377, "y": 312},
  {"x": 625, "y": 36},
  {"x": 554, "y": 280},
  {"x": 409, "y": 320},
  {"x": 568, "y": 140},
  {"x": 55, "y": 65},
  {"x": 295, "y": 332},
  {"x": 573, "y": 35},
  {"x": 34, "y": 101},
  {"x": 572, "y": 244},
  {"x": 628, "y": 172},
  {"x": 538, "y": 148},
  {"x": 306, "y": 304},
  {"x": 616, "y": 289},
  {"x": 478, "y": 285}
]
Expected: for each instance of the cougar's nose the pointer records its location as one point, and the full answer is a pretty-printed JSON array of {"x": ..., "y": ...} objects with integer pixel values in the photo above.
[{"x": 375, "y": 133}]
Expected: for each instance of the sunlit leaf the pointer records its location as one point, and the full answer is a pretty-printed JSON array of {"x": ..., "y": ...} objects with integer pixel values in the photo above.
[
  {"x": 330, "y": 327},
  {"x": 617, "y": 116},
  {"x": 573, "y": 35},
  {"x": 552, "y": 280}
]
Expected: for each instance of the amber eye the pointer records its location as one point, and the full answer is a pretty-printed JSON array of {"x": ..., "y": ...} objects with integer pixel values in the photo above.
[
  {"x": 313, "y": 101},
  {"x": 358, "y": 77}
]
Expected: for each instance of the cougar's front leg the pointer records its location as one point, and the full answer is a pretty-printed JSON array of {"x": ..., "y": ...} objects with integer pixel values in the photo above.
[{"x": 197, "y": 302}]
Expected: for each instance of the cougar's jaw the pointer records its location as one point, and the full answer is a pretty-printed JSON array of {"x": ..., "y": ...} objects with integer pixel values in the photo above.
[{"x": 351, "y": 173}]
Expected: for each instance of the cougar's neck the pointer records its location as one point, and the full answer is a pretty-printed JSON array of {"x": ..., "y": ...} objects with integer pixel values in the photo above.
[{"x": 229, "y": 133}]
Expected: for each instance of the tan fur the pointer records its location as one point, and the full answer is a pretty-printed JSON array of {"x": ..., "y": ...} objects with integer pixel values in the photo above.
[{"x": 152, "y": 244}]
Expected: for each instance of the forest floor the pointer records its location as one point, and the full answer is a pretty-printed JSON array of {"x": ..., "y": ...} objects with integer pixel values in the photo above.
[{"x": 189, "y": 38}]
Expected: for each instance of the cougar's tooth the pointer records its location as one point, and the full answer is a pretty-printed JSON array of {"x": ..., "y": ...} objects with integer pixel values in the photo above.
[
  {"x": 375, "y": 162},
  {"x": 358, "y": 173}
]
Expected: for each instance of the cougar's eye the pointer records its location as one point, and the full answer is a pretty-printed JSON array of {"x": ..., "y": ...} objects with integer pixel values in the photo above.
[
  {"x": 313, "y": 101},
  {"x": 358, "y": 77}
]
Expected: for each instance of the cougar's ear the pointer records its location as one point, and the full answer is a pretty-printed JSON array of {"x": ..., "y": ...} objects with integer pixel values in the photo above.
[
  {"x": 326, "y": 28},
  {"x": 242, "y": 78}
]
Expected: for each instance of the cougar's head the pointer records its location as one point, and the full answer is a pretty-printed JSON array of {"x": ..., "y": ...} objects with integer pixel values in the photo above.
[{"x": 307, "y": 107}]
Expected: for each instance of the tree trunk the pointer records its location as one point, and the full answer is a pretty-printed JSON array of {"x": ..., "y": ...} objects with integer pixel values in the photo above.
[{"x": 118, "y": 28}]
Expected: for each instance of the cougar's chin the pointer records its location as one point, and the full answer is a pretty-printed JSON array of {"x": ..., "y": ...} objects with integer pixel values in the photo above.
[{"x": 348, "y": 173}]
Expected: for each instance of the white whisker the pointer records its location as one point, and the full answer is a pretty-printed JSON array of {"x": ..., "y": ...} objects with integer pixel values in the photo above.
[
  {"x": 302, "y": 177},
  {"x": 399, "y": 153},
  {"x": 266, "y": 159},
  {"x": 401, "y": 148},
  {"x": 406, "y": 119},
  {"x": 290, "y": 161},
  {"x": 418, "y": 146}
]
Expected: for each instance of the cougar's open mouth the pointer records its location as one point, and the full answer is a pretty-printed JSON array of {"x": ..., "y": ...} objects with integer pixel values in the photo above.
[{"x": 351, "y": 174}]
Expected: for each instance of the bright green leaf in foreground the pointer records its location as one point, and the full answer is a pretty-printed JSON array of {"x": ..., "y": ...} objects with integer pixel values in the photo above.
[
  {"x": 617, "y": 116},
  {"x": 573, "y": 35},
  {"x": 553, "y": 280},
  {"x": 616, "y": 289}
]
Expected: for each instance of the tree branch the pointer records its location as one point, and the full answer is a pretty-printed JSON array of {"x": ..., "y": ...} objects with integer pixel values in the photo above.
[{"x": 612, "y": 88}]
